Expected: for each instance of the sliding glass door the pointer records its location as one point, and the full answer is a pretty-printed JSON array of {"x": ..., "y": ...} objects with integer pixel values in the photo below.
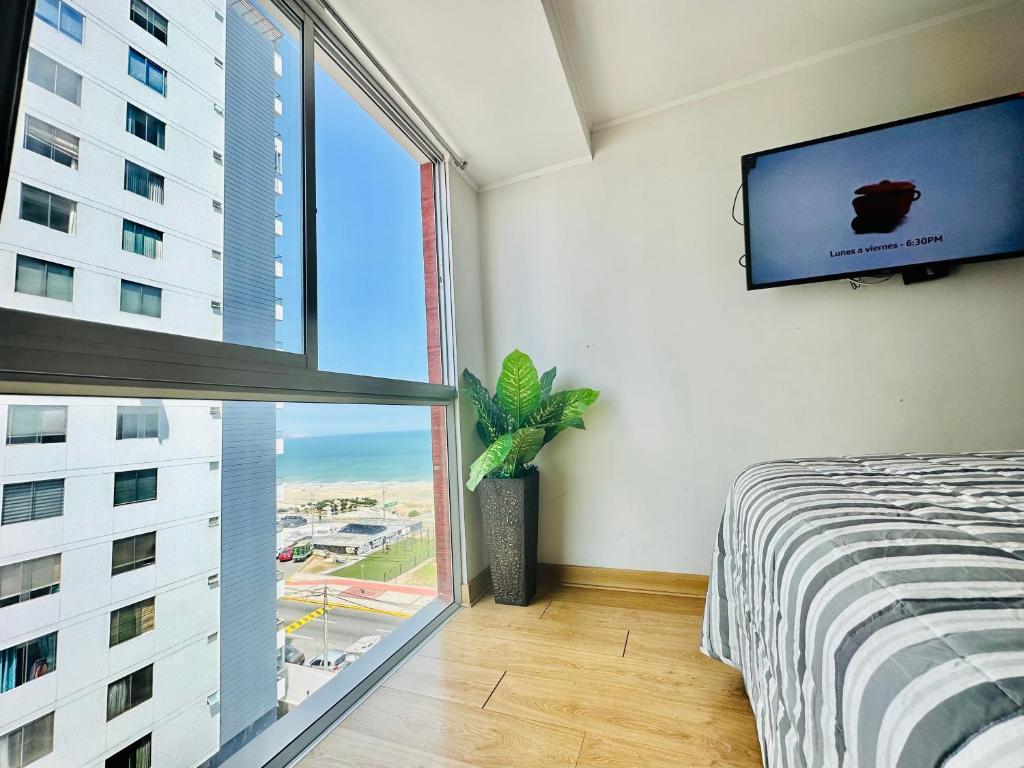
[{"x": 241, "y": 471}]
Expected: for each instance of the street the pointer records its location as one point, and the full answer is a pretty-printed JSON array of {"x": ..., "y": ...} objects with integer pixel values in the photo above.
[{"x": 344, "y": 626}]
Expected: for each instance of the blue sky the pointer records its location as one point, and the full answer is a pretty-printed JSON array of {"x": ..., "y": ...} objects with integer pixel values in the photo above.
[{"x": 371, "y": 313}]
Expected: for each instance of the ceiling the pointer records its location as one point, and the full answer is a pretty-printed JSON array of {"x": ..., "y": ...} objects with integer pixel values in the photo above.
[{"x": 517, "y": 85}]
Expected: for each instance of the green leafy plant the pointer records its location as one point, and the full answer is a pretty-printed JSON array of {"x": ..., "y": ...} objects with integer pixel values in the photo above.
[{"x": 521, "y": 418}]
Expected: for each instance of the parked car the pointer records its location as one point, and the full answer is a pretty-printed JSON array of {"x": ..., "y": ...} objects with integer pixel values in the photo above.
[
  {"x": 361, "y": 646},
  {"x": 292, "y": 654},
  {"x": 335, "y": 660},
  {"x": 286, "y": 554}
]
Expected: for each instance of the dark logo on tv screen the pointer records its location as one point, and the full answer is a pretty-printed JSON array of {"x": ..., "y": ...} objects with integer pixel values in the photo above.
[{"x": 881, "y": 207}]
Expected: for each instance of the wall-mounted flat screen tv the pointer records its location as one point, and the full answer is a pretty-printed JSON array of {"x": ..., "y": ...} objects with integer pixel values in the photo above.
[{"x": 936, "y": 189}]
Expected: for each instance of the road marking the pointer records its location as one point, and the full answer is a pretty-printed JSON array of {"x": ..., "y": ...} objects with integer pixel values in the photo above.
[
  {"x": 349, "y": 606},
  {"x": 304, "y": 620}
]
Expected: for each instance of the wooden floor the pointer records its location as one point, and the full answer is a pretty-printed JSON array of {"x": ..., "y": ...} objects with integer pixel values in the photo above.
[{"x": 583, "y": 678}]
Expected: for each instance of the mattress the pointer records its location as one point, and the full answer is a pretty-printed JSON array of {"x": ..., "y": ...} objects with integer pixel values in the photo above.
[{"x": 875, "y": 606}]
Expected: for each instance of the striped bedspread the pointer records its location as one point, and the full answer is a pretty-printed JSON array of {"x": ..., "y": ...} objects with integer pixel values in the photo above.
[{"x": 875, "y": 606}]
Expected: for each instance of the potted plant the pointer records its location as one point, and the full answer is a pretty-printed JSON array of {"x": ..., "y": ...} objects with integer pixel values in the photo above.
[{"x": 521, "y": 418}]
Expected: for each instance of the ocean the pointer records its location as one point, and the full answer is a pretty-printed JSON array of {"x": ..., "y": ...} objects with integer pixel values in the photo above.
[{"x": 376, "y": 456}]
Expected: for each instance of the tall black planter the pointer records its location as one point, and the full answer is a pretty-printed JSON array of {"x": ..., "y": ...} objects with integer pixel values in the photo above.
[{"x": 509, "y": 509}]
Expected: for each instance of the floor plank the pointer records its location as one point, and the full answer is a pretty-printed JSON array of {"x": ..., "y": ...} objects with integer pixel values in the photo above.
[
  {"x": 582, "y": 678},
  {"x": 628, "y": 711},
  {"x": 623, "y": 618},
  {"x": 443, "y": 731},
  {"x": 516, "y": 627},
  {"x": 691, "y": 606},
  {"x": 449, "y": 680}
]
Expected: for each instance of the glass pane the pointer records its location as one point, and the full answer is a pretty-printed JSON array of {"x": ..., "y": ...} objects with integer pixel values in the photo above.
[
  {"x": 375, "y": 214},
  {"x": 314, "y": 503},
  {"x": 212, "y": 140},
  {"x": 30, "y": 276},
  {"x": 71, "y": 22},
  {"x": 48, "y": 11},
  {"x": 59, "y": 282}
]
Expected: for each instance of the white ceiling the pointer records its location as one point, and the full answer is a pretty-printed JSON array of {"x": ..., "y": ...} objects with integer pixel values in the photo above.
[{"x": 516, "y": 85}]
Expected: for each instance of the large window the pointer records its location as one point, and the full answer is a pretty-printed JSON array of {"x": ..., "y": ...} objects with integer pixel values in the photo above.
[
  {"x": 132, "y": 620},
  {"x": 52, "y": 142},
  {"x": 27, "y": 661},
  {"x": 138, "y": 754},
  {"x": 138, "y": 421},
  {"x": 35, "y": 500},
  {"x": 143, "y": 240},
  {"x": 54, "y": 77},
  {"x": 48, "y": 209},
  {"x": 32, "y": 741},
  {"x": 149, "y": 20},
  {"x": 36, "y": 424},
  {"x": 142, "y": 124},
  {"x": 143, "y": 181},
  {"x": 130, "y": 691},
  {"x": 146, "y": 71},
  {"x": 134, "y": 485},
  {"x": 20, "y": 582},
  {"x": 280, "y": 426},
  {"x": 133, "y": 552},
  {"x": 44, "y": 278},
  {"x": 139, "y": 299},
  {"x": 63, "y": 16}
]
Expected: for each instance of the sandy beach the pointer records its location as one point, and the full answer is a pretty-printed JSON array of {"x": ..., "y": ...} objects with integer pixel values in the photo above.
[{"x": 406, "y": 496}]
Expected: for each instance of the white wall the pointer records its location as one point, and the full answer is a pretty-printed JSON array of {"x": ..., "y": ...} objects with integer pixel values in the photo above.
[
  {"x": 470, "y": 352},
  {"x": 623, "y": 272}
]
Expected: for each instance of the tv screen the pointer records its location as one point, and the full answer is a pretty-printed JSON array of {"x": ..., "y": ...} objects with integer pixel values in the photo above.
[{"x": 940, "y": 188}]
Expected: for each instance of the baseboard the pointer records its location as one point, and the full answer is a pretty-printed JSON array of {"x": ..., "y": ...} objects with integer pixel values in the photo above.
[
  {"x": 654, "y": 582},
  {"x": 477, "y": 587}
]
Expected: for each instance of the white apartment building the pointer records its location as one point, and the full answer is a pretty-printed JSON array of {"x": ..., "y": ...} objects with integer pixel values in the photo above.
[{"x": 111, "y": 542}]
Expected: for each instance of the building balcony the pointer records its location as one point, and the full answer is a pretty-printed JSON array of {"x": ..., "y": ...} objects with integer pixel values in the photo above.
[
  {"x": 278, "y": 309},
  {"x": 278, "y": 225},
  {"x": 278, "y": 186},
  {"x": 278, "y": 105},
  {"x": 278, "y": 267},
  {"x": 278, "y": 64}
]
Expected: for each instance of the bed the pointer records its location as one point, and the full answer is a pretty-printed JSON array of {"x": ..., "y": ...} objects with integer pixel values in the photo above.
[{"x": 875, "y": 606}]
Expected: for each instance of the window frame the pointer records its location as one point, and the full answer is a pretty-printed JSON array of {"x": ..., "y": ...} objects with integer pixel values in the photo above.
[
  {"x": 40, "y": 434},
  {"x": 51, "y": 587},
  {"x": 131, "y": 702},
  {"x": 139, "y": 605},
  {"x": 124, "y": 475},
  {"x": 20, "y": 731},
  {"x": 146, "y": 21},
  {"x": 63, "y": 5},
  {"x": 34, "y": 490},
  {"x": 42, "y": 59},
  {"x": 51, "y": 144},
  {"x": 69, "y": 357},
  {"x": 147, "y": 120},
  {"x": 136, "y": 561},
  {"x": 150, "y": 66},
  {"x": 72, "y": 213},
  {"x": 21, "y": 258}
]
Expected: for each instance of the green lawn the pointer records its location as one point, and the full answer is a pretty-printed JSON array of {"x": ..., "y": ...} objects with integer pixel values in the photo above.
[
  {"x": 385, "y": 566},
  {"x": 425, "y": 576}
]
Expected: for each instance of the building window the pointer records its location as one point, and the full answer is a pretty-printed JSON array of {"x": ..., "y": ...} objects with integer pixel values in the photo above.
[
  {"x": 54, "y": 77},
  {"x": 134, "y": 486},
  {"x": 62, "y": 16},
  {"x": 149, "y": 20},
  {"x": 29, "y": 579},
  {"x": 32, "y": 501},
  {"x": 26, "y": 662},
  {"x": 145, "y": 126},
  {"x": 140, "y": 299},
  {"x": 24, "y": 745},
  {"x": 133, "y": 552},
  {"x": 48, "y": 209},
  {"x": 143, "y": 240},
  {"x": 146, "y": 71},
  {"x": 44, "y": 278},
  {"x": 130, "y": 691},
  {"x": 143, "y": 181},
  {"x": 36, "y": 424},
  {"x": 138, "y": 754},
  {"x": 49, "y": 141},
  {"x": 131, "y": 621},
  {"x": 138, "y": 421}
]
